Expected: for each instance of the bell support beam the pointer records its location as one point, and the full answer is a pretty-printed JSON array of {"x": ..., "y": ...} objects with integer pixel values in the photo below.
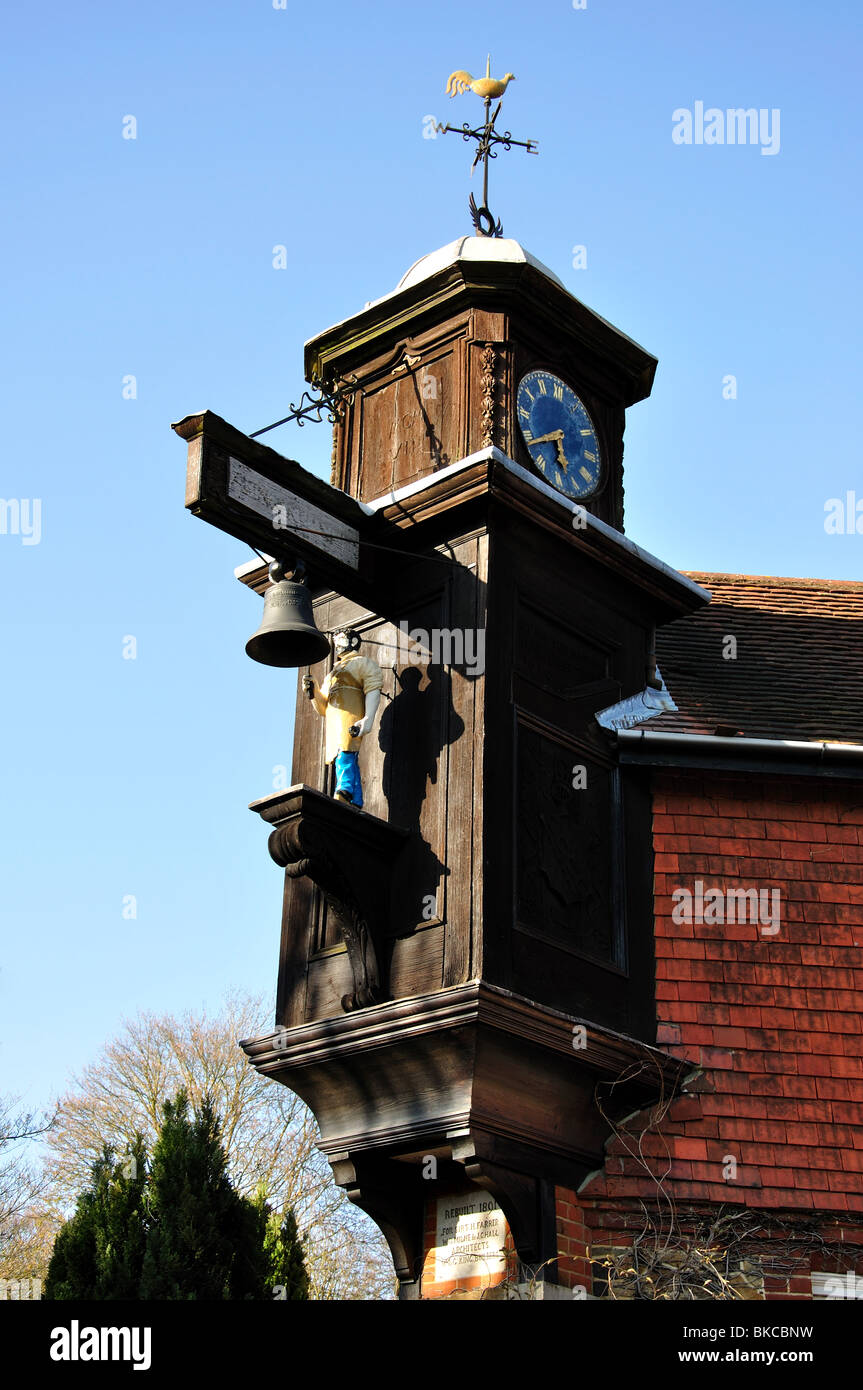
[
  {"x": 234, "y": 483},
  {"x": 461, "y": 497},
  {"x": 275, "y": 505}
]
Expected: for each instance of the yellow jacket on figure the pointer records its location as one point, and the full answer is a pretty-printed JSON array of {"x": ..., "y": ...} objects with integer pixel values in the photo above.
[{"x": 348, "y": 701}]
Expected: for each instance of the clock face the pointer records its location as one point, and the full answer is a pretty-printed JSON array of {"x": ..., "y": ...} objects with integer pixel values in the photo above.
[{"x": 559, "y": 434}]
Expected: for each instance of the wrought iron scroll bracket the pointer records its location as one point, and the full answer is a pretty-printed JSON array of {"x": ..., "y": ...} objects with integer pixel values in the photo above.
[{"x": 322, "y": 401}]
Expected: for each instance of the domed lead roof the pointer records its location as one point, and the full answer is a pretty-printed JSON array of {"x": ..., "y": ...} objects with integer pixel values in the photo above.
[{"x": 472, "y": 248}]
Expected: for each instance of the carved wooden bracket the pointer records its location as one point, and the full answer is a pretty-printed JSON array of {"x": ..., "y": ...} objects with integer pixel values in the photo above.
[
  {"x": 349, "y": 855},
  {"x": 392, "y": 1194},
  {"x": 489, "y": 395}
]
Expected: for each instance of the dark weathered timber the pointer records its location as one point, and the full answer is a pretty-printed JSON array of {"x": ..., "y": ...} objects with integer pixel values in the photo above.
[
  {"x": 485, "y": 1079},
  {"x": 349, "y": 856},
  {"x": 515, "y": 915},
  {"x": 371, "y": 572},
  {"x": 437, "y": 366},
  {"x": 456, "y": 760}
]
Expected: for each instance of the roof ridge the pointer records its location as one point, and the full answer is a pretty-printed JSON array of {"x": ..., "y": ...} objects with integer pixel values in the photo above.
[{"x": 773, "y": 581}]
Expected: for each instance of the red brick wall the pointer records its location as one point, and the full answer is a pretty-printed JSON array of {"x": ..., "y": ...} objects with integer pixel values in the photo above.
[
  {"x": 774, "y": 1021},
  {"x": 573, "y": 1238}
]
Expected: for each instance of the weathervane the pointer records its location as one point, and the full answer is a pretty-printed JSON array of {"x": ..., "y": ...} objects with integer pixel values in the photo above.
[
  {"x": 329, "y": 401},
  {"x": 486, "y": 136}
]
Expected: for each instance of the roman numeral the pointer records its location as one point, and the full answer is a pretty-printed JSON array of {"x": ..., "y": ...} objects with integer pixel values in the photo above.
[
  {"x": 588, "y": 477},
  {"x": 525, "y": 414},
  {"x": 589, "y": 455},
  {"x": 541, "y": 384},
  {"x": 558, "y": 391},
  {"x": 528, "y": 437}
]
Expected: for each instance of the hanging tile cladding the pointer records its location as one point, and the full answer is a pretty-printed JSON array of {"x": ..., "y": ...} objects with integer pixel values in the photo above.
[{"x": 775, "y": 1022}]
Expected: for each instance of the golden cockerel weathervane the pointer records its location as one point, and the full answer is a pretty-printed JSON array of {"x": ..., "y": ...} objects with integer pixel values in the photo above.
[{"x": 490, "y": 89}]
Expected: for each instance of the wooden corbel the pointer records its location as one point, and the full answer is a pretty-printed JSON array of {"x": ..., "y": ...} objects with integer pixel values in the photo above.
[
  {"x": 349, "y": 855},
  {"x": 527, "y": 1202}
]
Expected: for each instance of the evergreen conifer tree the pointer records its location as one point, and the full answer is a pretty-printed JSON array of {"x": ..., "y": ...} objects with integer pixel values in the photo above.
[
  {"x": 72, "y": 1271},
  {"x": 177, "y": 1231},
  {"x": 121, "y": 1236},
  {"x": 205, "y": 1241},
  {"x": 99, "y": 1252},
  {"x": 286, "y": 1257}
]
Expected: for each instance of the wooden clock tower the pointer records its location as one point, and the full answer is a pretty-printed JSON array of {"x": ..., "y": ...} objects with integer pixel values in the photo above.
[
  {"x": 467, "y": 962},
  {"x": 437, "y": 366}
]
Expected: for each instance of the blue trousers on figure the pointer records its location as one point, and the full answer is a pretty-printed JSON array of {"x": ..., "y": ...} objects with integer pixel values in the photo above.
[{"x": 348, "y": 777}]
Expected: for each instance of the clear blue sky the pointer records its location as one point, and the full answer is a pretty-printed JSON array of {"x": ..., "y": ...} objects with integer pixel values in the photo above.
[{"x": 153, "y": 257}]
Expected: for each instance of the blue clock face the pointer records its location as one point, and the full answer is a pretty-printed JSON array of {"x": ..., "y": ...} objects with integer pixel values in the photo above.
[{"x": 559, "y": 434}]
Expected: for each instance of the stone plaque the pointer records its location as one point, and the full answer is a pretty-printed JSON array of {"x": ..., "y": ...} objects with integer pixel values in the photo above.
[{"x": 471, "y": 1230}]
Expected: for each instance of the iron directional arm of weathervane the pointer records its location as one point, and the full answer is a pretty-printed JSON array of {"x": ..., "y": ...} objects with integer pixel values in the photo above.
[
  {"x": 487, "y": 138},
  {"x": 507, "y": 141}
]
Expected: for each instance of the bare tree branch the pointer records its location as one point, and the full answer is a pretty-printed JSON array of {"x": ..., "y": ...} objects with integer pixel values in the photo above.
[{"x": 269, "y": 1134}]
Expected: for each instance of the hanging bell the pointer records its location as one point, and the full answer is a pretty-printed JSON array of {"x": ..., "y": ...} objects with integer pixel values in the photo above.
[{"x": 287, "y": 635}]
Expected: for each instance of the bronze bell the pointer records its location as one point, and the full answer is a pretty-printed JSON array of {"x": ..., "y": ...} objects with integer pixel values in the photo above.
[{"x": 287, "y": 635}]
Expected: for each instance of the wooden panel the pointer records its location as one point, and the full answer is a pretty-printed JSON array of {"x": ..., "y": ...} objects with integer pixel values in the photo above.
[
  {"x": 465, "y": 794},
  {"x": 414, "y": 733},
  {"x": 619, "y": 998},
  {"x": 329, "y": 978},
  {"x": 415, "y": 968},
  {"x": 409, "y": 426},
  {"x": 427, "y": 709},
  {"x": 563, "y": 982},
  {"x": 564, "y": 892},
  {"x": 407, "y": 415},
  {"x": 494, "y": 943},
  {"x": 299, "y": 909},
  {"x": 417, "y": 963},
  {"x": 568, "y": 848},
  {"x": 552, "y": 652},
  {"x": 572, "y": 632}
]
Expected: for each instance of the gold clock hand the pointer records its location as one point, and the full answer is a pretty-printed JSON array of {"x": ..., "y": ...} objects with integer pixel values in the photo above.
[{"x": 554, "y": 438}]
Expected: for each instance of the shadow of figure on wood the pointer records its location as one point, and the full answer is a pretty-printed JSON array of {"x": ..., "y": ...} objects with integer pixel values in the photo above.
[{"x": 414, "y": 729}]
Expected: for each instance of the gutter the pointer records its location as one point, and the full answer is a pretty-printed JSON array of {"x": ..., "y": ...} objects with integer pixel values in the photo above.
[{"x": 792, "y": 756}]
